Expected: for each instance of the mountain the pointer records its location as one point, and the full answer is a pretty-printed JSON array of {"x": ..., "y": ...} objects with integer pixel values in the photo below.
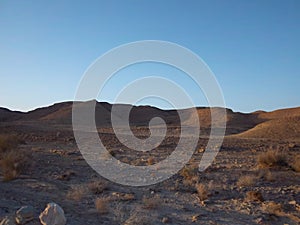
[
  {"x": 278, "y": 124},
  {"x": 8, "y": 115}
]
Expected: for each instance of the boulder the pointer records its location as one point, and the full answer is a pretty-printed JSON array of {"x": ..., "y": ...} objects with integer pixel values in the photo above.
[
  {"x": 53, "y": 215},
  {"x": 24, "y": 214}
]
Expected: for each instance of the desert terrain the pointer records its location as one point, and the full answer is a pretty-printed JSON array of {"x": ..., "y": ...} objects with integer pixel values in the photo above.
[{"x": 255, "y": 178}]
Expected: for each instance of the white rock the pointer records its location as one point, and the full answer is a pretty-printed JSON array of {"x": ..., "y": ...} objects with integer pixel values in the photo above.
[{"x": 53, "y": 215}]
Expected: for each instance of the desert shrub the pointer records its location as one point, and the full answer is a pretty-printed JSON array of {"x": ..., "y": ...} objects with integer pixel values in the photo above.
[
  {"x": 151, "y": 202},
  {"x": 254, "y": 196},
  {"x": 8, "y": 142},
  {"x": 101, "y": 205},
  {"x": 273, "y": 208},
  {"x": 150, "y": 161},
  {"x": 202, "y": 192},
  {"x": 246, "y": 180},
  {"x": 77, "y": 192},
  {"x": 97, "y": 186},
  {"x": 296, "y": 164},
  {"x": 266, "y": 175},
  {"x": 12, "y": 163},
  {"x": 189, "y": 173},
  {"x": 272, "y": 158}
]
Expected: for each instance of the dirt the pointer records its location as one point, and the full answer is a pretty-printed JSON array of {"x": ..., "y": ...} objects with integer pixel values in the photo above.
[{"x": 58, "y": 173}]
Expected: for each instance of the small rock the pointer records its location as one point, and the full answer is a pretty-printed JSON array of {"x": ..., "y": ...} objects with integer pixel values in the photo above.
[
  {"x": 7, "y": 221},
  {"x": 53, "y": 215},
  {"x": 293, "y": 202},
  {"x": 165, "y": 220},
  {"x": 195, "y": 218},
  {"x": 24, "y": 214}
]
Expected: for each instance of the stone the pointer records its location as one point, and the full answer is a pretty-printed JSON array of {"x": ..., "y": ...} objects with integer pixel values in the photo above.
[
  {"x": 53, "y": 215},
  {"x": 24, "y": 214},
  {"x": 165, "y": 220},
  {"x": 7, "y": 221}
]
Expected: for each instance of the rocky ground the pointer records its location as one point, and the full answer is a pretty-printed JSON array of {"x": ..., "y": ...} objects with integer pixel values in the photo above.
[{"x": 236, "y": 189}]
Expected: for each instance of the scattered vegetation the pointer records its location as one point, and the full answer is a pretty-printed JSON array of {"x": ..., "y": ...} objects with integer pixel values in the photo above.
[
  {"x": 97, "y": 186},
  {"x": 273, "y": 208},
  {"x": 13, "y": 161},
  {"x": 276, "y": 209},
  {"x": 188, "y": 172},
  {"x": 150, "y": 160},
  {"x": 246, "y": 181},
  {"x": 77, "y": 192},
  {"x": 190, "y": 175},
  {"x": 8, "y": 142},
  {"x": 151, "y": 202},
  {"x": 272, "y": 158},
  {"x": 266, "y": 175},
  {"x": 202, "y": 192},
  {"x": 254, "y": 196}
]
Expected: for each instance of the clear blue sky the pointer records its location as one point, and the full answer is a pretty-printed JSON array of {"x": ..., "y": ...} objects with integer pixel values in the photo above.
[{"x": 253, "y": 47}]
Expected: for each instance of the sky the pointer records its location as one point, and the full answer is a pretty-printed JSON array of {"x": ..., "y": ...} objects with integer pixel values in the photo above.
[{"x": 252, "y": 47}]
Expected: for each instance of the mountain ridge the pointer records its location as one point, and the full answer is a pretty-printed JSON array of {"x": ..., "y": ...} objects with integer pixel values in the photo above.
[{"x": 281, "y": 123}]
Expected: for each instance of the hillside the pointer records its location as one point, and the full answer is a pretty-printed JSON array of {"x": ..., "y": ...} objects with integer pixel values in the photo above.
[{"x": 278, "y": 124}]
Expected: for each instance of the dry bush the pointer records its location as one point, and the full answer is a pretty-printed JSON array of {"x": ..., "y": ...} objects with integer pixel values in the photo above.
[
  {"x": 296, "y": 164},
  {"x": 273, "y": 208},
  {"x": 8, "y": 142},
  {"x": 266, "y": 175},
  {"x": 77, "y": 192},
  {"x": 188, "y": 172},
  {"x": 151, "y": 202},
  {"x": 138, "y": 218},
  {"x": 202, "y": 192},
  {"x": 123, "y": 196},
  {"x": 246, "y": 181},
  {"x": 97, "y": 186},
  {"x": 276, "y": 209},
  {"x": 12, "y": 160},
  {"x": 12, "y": 163},
  {"x": 101, "y": 205},
  {"x": 272, "y": 158},
  {"x": 254, "y": 196},
  {"x": 150, "y": 161}
]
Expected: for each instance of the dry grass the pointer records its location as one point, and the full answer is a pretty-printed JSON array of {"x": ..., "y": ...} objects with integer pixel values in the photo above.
[
  {"x": 77, "y": 192},
  {"x": 122, "y": 196},
  {"x": 246, "y": 181},
  {"x": 12, "y": 160},
  {"x": 276, "y": 209},
  {"x": 202, "y": 192},
  {"x": 266, "y": 175},
  {"x": 101, "y": 205},
  {"x": 150, "y": 161},
  {"x": 272, "y": 158},
  {"x": 12, "y": 163},
  {"x": 8, "y": 142},
  {"x": 188, "y": 172},
  {"x": 151, "y": 202},
  {"x": 97, "y": 186},
  {"x": 138, "y": 218},
  {"x": 254, "y": 196},
  {"x": 273, "y": 208}
]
